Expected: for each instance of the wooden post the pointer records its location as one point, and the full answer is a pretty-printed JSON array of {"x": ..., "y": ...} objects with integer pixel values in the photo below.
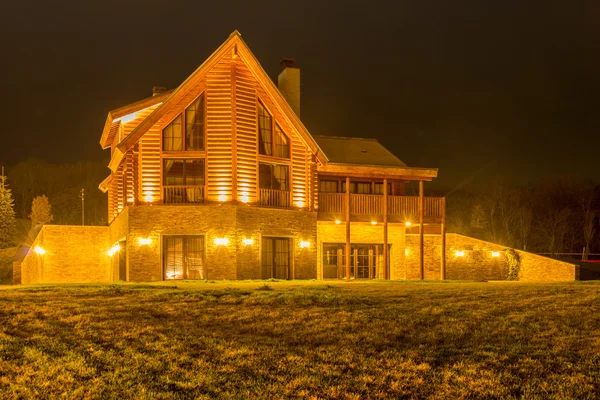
[
  {"x": 386, "y": 255},
  {"x": 421, "y": 231},
  {"x": 233, "y": 127},
  {"x": 443, "y": 233},
  {"x": 355, "y": 264},
  {"x": 347, "y": 228}
]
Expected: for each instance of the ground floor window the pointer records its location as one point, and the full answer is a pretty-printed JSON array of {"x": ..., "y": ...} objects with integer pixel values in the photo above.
[
  {"x": 366, "y": 261},
  {"x": 183, "y": 257},
  {"x": 275, "y": 258}
]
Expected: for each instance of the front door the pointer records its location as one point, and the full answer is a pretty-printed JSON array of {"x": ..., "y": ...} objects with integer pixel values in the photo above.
[{"x": 275, "y": 258}]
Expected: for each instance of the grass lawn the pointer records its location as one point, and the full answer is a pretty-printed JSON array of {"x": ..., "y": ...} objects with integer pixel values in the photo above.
[{"x": 301, "y": 339}]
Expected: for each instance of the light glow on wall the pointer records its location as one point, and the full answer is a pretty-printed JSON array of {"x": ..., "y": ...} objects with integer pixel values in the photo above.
[
  {"x": 300, "y": 204},
  {"x": 144, "y": 241},
  {"x": 460, "y": 253},
  {"x": 39, "y": 250},
  {"x": 373, "y": 222},
  {"x": 115, "y": 249},
  {"x": 222, "y": 198},
  {"x": 337, "y": 221},
  {"x": 495, "y": 254},
  {"x": 304, "y": 244},
  {"x": 149, "y": 198},
  {"x": 244, "y": 198},
  {"x": 248, "y": 242},
  {"x": 408, "y": 223},
  {"x": 221, "y": 241}
]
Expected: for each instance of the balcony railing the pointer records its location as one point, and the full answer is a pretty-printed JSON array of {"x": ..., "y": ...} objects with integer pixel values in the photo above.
[
  {"x": 183, "y": 194},
  {"x": 274, "y": 198},
  {"x": 406, "y": 207}
]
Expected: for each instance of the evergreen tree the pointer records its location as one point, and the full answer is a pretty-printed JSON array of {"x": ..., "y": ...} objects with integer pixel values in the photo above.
[
  {"x": 7, "y": 215},
  {"x": 41, "y": 211}
]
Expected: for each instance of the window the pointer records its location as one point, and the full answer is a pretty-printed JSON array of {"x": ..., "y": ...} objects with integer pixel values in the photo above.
[
  {"x": 183, "y": 172},
  {"x": 183, "y": 257},
  {"x": 183, "y": 181},
  {"x": 193, "y": 120},
  {"x": 379, "y": 188},
  {"x": 357, "y": 187},
  {"x": 273, "y": 176},
  {"x": 271, "y": 139},
  {"x": 328, "y": 186}
]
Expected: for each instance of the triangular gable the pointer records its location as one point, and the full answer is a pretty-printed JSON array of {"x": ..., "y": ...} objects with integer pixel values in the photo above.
[{"x": 233, "y": 42}]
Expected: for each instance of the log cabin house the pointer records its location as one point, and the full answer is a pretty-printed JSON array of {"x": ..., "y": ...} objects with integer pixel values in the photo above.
[{"x": 219, "y": 179}]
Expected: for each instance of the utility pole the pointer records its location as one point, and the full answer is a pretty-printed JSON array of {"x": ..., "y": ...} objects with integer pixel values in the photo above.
[{"x": 82, "y": 206}]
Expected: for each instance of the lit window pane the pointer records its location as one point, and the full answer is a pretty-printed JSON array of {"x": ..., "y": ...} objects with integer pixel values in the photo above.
[
  {"x": 194, "y": 125},
  {"x": 172, "y": 140}
]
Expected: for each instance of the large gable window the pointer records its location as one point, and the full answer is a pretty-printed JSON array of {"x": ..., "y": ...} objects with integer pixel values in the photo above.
[
  {"x": 183, "y": 181},
  {"x": 271, "y": 139},
  {"x": 186, "y": 131}
]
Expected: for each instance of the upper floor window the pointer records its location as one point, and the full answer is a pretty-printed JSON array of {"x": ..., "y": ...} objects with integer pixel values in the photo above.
[
  {"x": 271, "y": 139},
  {"x": 328, "y": 186},
  {"x": 186, "y": 131},
  {"x": 183, "y": 172},
  {"x": 358, "y": 187},
  {"x": 273, "y": 176}
]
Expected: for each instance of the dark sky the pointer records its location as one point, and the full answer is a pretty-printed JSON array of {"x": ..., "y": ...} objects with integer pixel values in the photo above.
[{"x": 473, "y": 87}]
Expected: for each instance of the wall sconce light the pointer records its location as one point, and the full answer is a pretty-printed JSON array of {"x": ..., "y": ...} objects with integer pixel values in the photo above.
[
  {"x": 337, "y": 222},
  {"x": 408, "y": 223},
  {"x": 373, "y": 222},
  {"x": 115, "y": 249},
  {"x": 39, "y": 250},
  {"x": 221, "y": 241},
  {"x": 304, "y": 244},
  {"x": 460, "y": 253},
  {"x": 144, "y": 241},
  {"x": 248, "y": 242},
  {"x": 495, "y": 254}
]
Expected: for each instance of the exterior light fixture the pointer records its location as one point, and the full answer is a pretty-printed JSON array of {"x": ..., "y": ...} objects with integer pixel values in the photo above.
[
  {"x": 149, "y": 198},
  {"x": 221, "y": 241},
  {"x": 244, "y": 199},
  {"x": 304, "y": 244},
  {"x": 460, "y": 253},
  {"x": 222, "y": 198},
  {"x": 337, "y": 221},
  {"x": 408, "y": 223},
  {"x": 373, "y": 222},
  {"x": 300, "y": 204},
  {"x": 406, "y": 251},
  {"x": 495, "y": 254},
  {"x": 144, "y": 241},
  {"x": 39, "y": 250},
  {"x": 115, "y": 249},
  {"x": 248, "y": 242}
]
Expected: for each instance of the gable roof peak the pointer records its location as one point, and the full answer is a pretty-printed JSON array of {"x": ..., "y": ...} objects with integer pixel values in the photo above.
[{"x": 235, "y": 33}]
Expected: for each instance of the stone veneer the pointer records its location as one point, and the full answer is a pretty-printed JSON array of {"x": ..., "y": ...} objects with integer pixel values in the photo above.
[
  {"x": 73, "y": 254},
  {"x": 478, "y": 263},
  {"x": 234, "y": 222}
]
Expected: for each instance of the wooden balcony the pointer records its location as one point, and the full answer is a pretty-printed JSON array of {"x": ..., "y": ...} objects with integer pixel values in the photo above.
[
  {"x": 369, "y": 206},
  {"x": 183, "y": 194},
  {"x": 274, "y": 198}
]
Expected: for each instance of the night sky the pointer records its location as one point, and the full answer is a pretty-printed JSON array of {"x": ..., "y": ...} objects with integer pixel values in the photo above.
[{"x": 475, "y": 88}]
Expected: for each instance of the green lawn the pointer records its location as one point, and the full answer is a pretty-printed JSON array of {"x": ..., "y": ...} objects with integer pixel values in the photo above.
[{"x": 301, "y": 339}]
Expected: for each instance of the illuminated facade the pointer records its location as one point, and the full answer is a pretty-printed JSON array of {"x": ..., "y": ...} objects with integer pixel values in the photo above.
[{"x": 219, "y": 179}]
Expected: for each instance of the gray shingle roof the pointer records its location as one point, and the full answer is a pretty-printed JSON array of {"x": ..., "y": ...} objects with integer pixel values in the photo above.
[{"x": 348, "y": 150}]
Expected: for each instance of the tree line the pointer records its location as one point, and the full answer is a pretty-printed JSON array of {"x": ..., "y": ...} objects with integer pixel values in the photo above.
[
  {"x": 559, "y": 215},
  {"x": 62, "y": 184}
]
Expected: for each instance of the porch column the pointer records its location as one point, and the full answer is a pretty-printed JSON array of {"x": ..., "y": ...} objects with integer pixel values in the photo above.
[
  {"x": 443, "y": 233},
  {"x": 421, "y": 231},
  {"x": 347, "y": 228},
  {"x": 385, "y": 230}
]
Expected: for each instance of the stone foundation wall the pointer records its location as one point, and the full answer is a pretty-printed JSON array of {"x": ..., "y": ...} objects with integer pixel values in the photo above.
[
  {"x": 478, "y": 262},
  {"x": 234, "y": 261},
  {"x": 73, "y": 254}
]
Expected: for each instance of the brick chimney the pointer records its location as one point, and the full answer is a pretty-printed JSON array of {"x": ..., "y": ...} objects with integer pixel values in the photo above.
[
  {"x": 156, "y": 90},
  {"x": 289, "y": 83}
]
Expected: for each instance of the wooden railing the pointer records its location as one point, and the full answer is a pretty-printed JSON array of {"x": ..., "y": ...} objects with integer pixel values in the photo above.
[
  {"x": 366, "y": 204},
  {"x": 183, "y": 194},
  {"x": 274, "y": 198},
  {"x": 332, "y": 202},
  {"x": 372, "y": 204}
]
